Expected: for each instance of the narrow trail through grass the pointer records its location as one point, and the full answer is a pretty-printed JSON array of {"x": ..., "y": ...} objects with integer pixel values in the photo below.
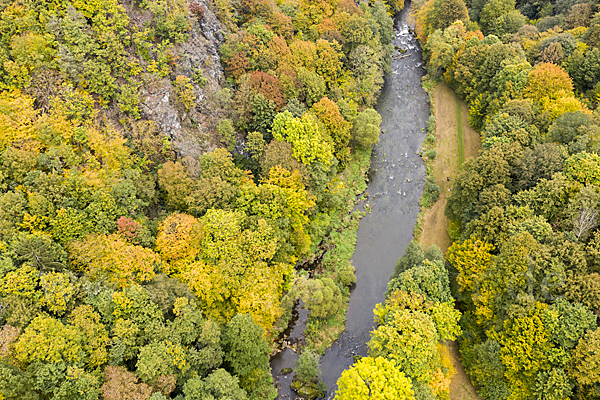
[
  {"x": 461, "y": 150},
  {"x": 455, "y": 143}
]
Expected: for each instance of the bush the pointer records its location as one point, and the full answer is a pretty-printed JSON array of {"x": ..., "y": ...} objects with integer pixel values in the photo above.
[
  {"x": 197, "y": 10},
  {"x": 307, "y": 367},
  {"x": 431, "y": 194},
  {"x": 185, "y": 91},
  {"x": 199, "y": 78},
  {"x": 431, "y": 125},
  {"x": 366, "y": 128},
  {"x": 431, "y": 154},
  {"x": 227, "y": 133}
]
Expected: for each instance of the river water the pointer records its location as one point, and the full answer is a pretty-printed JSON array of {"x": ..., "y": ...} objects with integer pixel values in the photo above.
[{"x": 396, "y": 183}]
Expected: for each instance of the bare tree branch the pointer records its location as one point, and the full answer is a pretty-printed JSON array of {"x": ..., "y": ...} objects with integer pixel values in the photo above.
[{"x": 586, "y": 220}]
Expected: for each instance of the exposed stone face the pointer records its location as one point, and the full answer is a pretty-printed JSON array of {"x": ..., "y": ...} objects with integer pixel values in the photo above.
[
  {"x": 202, "y": 49},
  {"x": 189, "y": 131},
  {"x": 157, "y": 106}
]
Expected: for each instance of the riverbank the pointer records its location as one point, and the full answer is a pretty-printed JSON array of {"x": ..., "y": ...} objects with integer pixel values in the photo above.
[
  {"x": 455, "y": 141},
  {"x": 396, "y": 182}
]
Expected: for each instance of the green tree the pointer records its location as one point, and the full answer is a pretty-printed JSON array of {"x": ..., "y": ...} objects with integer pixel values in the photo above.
[
  {"x": 385, "y": 22},
  {"x": 494, "y": 10},
  {"x": 513, "y": 128},
  {"x": 584, "y": 68},
  {"x": 218, "y": 185},
  {"x": 568, "y": 126},
  {"x": 280, "y": 154},
  {"x": 526, "y": 350},
  {"x": 263, "y": 110},
  {"x": 322, "y": 296},
  {"x": 218, "y": 385},
  {"x": 256, "y": 146},
  {"x": 190, "y": 328},
  {"x": 307, "y": 367},
  {"x": 550, "y": 196},
  {"x": 356, "y": 31},
  {"x": 584, "y": 168},
  {"x": 413, "y": 256},
  {"x": 314, "y": 86},
  {"x": 366, "y": 128},
  {"x": 443, "y": 13},
  {"x": 540, "y": 162},
  {"x": 247, "y": 356},
  {"x": 592, "y": 35},
  {"x": 14, "y": 384},
  {"x": 137, "y": 321},
  {"x": 491, "y": 168},
  {"x": 553, "y": 385},
  {"x": 429, "y": 278},
  {"x": 160, "y": 359},
  {"x": 567, "y": 323},
  {"x": 227, "y": 133},
  {"x": 441, "y": 47},
  {"x": 409, "y": 339},
  {"x": 78, "y": 385}
]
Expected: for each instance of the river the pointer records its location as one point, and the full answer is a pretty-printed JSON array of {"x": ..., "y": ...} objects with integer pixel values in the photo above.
[{"x": 396, "y": 183}]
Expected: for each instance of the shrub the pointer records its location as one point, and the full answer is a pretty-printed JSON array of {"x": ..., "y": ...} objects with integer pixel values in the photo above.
[
  {"x": 431, "y": 154},
  {"x": 185, "y": 91},
  {"x": 431, "y": 193},
  {"x": 227, "y": 133},
  {"x": 307, "y": 367},
  {"x": 197, "y": 10}
]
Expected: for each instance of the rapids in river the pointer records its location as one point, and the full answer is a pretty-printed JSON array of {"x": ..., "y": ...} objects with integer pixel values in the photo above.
[{"x": 397, "y": 178}]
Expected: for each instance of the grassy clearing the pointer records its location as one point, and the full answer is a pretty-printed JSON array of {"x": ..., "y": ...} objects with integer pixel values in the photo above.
[
  {"x": 448, "y": 139},
  {"x": 453, "y": 144}
]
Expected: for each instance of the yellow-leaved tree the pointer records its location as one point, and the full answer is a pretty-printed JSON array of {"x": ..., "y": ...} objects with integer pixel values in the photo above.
[
  {"x": 233, "y": 271},
  {"x": 113, "y": 258},
  {"x": 374, "y": 378},
  {"x": 308, "y": 142}
]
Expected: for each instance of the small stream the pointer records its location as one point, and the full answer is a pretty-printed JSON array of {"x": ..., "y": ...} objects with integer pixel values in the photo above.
[{"x": 396, "y": 183}]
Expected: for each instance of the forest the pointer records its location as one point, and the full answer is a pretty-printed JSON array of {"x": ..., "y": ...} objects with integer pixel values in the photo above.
[
  {"x": 522, "y": 276},
  {"x": 130, "y": 270}
]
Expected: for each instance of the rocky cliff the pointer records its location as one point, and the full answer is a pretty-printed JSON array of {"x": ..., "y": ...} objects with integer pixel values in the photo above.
[{"x": 190, "y": 130}]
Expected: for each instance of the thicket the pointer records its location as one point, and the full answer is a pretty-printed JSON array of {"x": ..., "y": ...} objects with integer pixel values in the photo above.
[
  {"x": 127, "y": 272},
  {"x": 524, "y": 213}
]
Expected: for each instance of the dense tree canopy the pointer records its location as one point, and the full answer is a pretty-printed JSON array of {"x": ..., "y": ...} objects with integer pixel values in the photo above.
[
  {"x": 162, "y": 188},
  {"x": 524, "y": 213}
]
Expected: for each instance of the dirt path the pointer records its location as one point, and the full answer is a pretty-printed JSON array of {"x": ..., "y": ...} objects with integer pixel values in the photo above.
[{"x": 455, "y": 141}]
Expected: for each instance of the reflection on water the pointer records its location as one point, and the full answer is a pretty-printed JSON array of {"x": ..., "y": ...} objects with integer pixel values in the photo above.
[{"x": 396, "y": 183}]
